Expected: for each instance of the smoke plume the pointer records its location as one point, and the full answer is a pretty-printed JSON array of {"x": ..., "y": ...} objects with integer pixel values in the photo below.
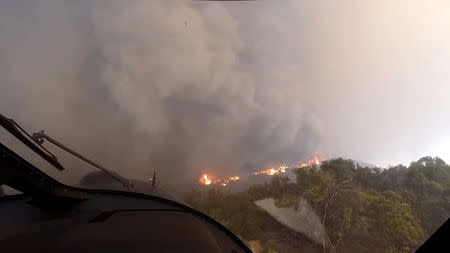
[
  {"x": 180, "y": 86},
  {"x": 143, "y": 86}
]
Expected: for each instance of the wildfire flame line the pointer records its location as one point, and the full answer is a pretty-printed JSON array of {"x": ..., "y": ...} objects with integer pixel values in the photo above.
[
  {"x": 272, "y": 171},
  {"x": 314, "y": 161},
  {"x": 206, "y": 179}
]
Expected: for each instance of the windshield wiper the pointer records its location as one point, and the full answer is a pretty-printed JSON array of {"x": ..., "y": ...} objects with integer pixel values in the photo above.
[
  {"x": 18, "y": 132},
  {"x": 39, "y": 138},
  {"x": 36, "y": 140}
]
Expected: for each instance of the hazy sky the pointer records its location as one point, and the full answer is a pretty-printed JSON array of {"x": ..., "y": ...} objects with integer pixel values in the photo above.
[
  {"x": 374, "y": 73},
  {"x": 185, "y": 85}
]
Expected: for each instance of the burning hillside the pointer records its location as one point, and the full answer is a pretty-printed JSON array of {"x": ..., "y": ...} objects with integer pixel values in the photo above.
[
  {"x": 207, "y": 179},
  {"x": 272, "y": 171}
]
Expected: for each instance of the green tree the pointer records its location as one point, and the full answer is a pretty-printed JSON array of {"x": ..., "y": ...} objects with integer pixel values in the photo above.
[
  {"x": 429, "y": 176},
  {"x": 342, "y": 169},
  {"x": 333, "y": 201},
  {"x": 394, "y": 223},
  {"x": 260, "y": 191},
  {"x": 433, "y": 212},
  {"x": 367, "y": 177},
  {"x": 235, "y": 211},
  {"x": 362, "y": 209}
]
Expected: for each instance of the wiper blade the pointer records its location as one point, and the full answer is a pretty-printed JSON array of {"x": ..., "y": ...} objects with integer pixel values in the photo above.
[
  {"x": 11, "y": 126},
  {"x": 39, "y": 138},
  {"x": 36, "y": 140}
]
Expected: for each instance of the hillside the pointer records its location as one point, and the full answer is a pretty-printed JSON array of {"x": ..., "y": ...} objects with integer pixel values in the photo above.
[{"x": 361, "y": 209}]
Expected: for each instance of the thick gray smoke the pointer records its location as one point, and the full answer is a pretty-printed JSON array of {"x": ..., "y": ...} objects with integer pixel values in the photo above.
[
  {"x": 180, "y": 86},
  {"x": 140, "y": 86}
]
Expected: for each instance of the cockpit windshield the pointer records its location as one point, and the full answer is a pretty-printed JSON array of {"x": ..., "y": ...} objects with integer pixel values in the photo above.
[{"x": 302, "y": 126}]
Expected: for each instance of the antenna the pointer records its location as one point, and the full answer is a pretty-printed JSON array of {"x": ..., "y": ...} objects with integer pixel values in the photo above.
[{"x": 154, "y": 179}]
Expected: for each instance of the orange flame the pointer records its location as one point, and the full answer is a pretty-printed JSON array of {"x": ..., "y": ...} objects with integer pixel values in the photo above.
[
  {"x": 235, "y": 178},
  {"x": 272, "y": 171},
  {"x": 314, "y": 161},
  {"x": 205, "y": 179}
]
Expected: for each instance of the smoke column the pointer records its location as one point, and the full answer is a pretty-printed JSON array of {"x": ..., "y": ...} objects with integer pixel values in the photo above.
[
  {"x": 180, "y": 86},
  {"x": 150, "y": 85}
]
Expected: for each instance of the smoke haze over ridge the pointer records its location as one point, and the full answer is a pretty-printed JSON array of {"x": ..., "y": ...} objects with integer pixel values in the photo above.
[{"x": 179, "y": 86}]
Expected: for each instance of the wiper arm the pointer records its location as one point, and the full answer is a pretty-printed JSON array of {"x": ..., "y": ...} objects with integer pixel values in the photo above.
[
  {"x": 15, "y": 129},
  {"x": 35, "y": 142},
  {"x": 39, "y": 138}
]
